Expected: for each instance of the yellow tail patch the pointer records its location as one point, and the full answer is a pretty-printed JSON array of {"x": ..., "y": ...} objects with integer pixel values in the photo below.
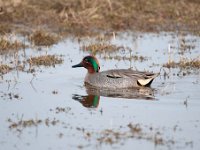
[{"x": 144, "y": 82}]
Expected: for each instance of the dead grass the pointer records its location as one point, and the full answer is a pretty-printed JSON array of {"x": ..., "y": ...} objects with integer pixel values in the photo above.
[
  {"x": 4, "y": 29},
  {"x": 135, "y": 131},
  {"x": 101, "y": 47},
  {"x": 42, "y": 38},
  {"x": 135, "y": 58},
  {"x": 6, "y": 45},
  {"x": 22, "y": 124},
  {"x": 84, "y": 17},
  {"x": 184, "y": 64},
  {"x": 47, "y": 60},
  {"x": 4, "y": 69}
]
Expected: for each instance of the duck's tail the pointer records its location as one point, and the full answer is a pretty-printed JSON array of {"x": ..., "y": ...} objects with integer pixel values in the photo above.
[{"x": 147, "y": 80}]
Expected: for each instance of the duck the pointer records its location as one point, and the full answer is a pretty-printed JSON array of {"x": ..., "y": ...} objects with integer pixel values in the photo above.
[{"x": 115, "y": 78}]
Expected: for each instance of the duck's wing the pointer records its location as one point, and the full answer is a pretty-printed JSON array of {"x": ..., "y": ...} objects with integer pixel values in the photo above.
[{"x": 143, "y": 78}]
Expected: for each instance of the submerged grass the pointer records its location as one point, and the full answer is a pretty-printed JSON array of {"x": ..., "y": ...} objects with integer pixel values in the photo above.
[
  {"x": 135, "y": 131},
  {"x": 22, "y": 124}
]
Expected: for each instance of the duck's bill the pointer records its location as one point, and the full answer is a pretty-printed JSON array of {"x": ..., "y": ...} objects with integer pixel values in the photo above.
[{"x": 78, "y": 65}]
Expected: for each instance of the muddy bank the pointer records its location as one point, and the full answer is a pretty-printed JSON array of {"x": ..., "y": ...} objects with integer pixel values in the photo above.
[{"x": 86, "y": 17}]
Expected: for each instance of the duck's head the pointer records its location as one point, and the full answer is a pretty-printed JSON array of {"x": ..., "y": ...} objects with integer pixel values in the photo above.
[{"x": 90, "y": 63}]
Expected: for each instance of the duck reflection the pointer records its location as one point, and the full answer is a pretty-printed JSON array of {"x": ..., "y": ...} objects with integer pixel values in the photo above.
[{"x": 92, "y": 99}]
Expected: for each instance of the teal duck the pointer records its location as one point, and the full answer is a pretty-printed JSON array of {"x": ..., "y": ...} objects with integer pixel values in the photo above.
[{"x": 116, "y": 78}]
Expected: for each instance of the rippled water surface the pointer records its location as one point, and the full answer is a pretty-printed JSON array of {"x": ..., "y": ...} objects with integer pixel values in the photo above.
[{"x": 52, "y": 109}]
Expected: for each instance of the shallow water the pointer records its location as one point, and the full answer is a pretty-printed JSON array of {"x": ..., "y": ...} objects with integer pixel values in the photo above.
[{"x": 72, "y": 119}]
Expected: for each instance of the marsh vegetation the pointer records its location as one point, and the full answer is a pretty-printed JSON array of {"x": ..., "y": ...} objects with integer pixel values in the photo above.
[{"x": 45, "y": 104}]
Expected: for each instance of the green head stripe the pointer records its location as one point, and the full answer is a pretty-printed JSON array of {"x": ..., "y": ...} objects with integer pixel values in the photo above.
[{"x": 94, "y": 64}]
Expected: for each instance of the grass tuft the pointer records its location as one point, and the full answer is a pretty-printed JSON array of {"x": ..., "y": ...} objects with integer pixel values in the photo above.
[
  {"x": 47, "y": 60},
  {"x": 4, "y": 69},
  {"x": 6, "y": 45},
  {"x": 184, "y": 64},
  {"x": 41, "y": 38},
  {"x": 101, "y": 47}
]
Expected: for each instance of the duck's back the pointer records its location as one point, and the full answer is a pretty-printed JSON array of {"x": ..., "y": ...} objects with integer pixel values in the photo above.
[{"x": 119, "y": 78}]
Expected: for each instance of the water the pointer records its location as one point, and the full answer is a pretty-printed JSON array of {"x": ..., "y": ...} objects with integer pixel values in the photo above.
[{"x": 71, "y": 118}]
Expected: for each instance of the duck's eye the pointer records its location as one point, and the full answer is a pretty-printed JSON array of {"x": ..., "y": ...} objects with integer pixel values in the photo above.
[{"x": 86, "y": 60}]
